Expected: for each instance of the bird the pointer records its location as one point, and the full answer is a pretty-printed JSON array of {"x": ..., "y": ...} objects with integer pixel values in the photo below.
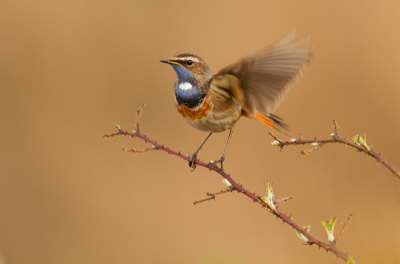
[{"x": 251, "y": 87}]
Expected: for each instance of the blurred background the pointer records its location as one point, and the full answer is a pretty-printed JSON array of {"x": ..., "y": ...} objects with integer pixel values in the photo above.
[{"x": 70, "y": 70}]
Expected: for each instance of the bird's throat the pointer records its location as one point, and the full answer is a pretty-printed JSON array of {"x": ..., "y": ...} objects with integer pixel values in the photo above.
[{"x": 187, "y": 94}]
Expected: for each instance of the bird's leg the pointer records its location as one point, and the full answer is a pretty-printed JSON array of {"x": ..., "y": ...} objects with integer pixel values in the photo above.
[
  {"x": 193, "y": 158},
  {"x": 221, "y": 160}
]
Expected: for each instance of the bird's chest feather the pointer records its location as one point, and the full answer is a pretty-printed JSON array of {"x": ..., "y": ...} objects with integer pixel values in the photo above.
[
  {"x": 202, "y": 114},
  {"x": 191, "y": 102}
]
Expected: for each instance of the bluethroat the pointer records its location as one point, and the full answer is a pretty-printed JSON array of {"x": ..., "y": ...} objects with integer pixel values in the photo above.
[{"x": 252, "y": 87}]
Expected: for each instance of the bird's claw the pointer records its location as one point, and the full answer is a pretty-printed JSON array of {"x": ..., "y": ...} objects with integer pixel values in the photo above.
[
  {"x": 192, "y": 161},
  {"x": 214, "y": 163}
]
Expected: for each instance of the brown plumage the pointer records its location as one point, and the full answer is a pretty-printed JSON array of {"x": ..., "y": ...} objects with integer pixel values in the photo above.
[
  {"x": 266, "y": 76},
  {"x": 252, "y": 87}
]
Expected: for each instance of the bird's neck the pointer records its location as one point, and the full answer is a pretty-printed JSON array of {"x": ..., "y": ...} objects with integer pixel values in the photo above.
[{"x": 188, "y": 94}]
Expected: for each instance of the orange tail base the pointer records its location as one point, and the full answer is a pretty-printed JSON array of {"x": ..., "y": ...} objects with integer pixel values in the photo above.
[{"x": 271, "y": 120}]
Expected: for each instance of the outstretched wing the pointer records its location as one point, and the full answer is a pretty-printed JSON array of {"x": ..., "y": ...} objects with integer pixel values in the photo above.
[{"x": 264, "y": 77}]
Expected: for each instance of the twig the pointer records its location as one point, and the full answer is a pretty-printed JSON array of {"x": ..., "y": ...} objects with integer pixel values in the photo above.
[
  {"x": 357, "y": 143},
  {"x": 212, "y": 195},
  {"x": 284, "y": 200},
  {"x": 204, "y": 200},
  {"x": 311, "y": 239},
  {"x": 335, "y": 126},
  {"x": 135, "y": 151},
  {"x": 138, "y": 116},
  {"x": 309, "y": 151},
  {"x": 343, "y": 227},
  {"x": 277, "y": 139}
]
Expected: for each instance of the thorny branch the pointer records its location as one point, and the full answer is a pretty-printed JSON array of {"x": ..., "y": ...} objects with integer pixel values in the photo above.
[
  {"x": 359, "y": 143},
  {"x": 234, "y": 186}
]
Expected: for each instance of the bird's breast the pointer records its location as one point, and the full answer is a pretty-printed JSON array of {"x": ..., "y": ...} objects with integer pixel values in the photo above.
[
  {"x": 210, "y": 118},
  {"x": 200, "y": 111}
]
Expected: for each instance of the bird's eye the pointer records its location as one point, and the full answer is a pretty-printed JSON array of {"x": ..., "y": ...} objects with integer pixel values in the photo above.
[{"x": 189, "y": 62}]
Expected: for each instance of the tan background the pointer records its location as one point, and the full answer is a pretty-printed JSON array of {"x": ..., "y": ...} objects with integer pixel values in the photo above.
[{"x": 70, "y": 70}]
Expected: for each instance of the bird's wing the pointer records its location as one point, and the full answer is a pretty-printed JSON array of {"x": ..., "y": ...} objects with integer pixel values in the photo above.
[{"x": 261, "y": 80}]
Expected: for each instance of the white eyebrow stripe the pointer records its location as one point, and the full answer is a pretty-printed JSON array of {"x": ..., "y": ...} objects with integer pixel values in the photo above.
[
  {"x": 192, "y": 58},
  {"x": 186, "y": 58}
]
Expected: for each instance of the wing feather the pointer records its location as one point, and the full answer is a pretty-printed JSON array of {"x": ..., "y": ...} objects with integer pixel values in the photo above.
[{"x": 265, "y": 76}]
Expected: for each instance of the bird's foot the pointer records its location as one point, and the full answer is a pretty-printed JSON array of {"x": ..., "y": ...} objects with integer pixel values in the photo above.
[
  {"x": 214, "y": 163},
  {"x": 192, "y": 161}
]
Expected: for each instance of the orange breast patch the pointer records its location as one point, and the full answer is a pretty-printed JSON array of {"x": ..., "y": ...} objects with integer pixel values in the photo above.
[{"x": 198, "y": 112}]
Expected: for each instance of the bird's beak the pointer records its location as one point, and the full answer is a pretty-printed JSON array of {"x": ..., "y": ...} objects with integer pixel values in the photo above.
[{"x": 169, "y": 61}]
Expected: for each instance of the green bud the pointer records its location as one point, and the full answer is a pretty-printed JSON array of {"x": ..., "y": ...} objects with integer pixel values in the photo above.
[
  {"x": 301, "y": 236},
  {"x": 351, "y": 261},
  {"x": 227, "y": 183},
  {"x": 269, "y": 199},
  {"x": 362, "y": 141},
  {"x": 329, "y": 227},
  {"x": 270, "y": 192},
  {"x": 276, "y": 143}
]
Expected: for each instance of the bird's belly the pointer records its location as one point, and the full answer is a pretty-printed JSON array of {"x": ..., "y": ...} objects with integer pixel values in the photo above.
[
  {"x": 216, "y": 121},
  {"x": 211, "y": 119}
]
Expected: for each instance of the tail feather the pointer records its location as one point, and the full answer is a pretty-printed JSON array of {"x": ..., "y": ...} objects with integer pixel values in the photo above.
[{"x": 272, "y": 121}]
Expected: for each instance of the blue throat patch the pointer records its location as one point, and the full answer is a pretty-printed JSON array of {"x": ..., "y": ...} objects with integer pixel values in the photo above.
[
  {"x": 191, "y": 98},
  {"x": 186, "y": 92},
  {"x": 184, "y": 75}
]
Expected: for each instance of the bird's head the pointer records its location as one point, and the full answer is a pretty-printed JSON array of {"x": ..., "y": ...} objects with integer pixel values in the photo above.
[{"x": 189, "y": 68}]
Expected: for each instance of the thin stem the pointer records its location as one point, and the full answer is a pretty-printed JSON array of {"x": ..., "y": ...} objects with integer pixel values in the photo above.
[
  {"x": 343, "y": 228},
  {"x": 284, "y": 199},
  {"x": 212, "y": 195}
]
